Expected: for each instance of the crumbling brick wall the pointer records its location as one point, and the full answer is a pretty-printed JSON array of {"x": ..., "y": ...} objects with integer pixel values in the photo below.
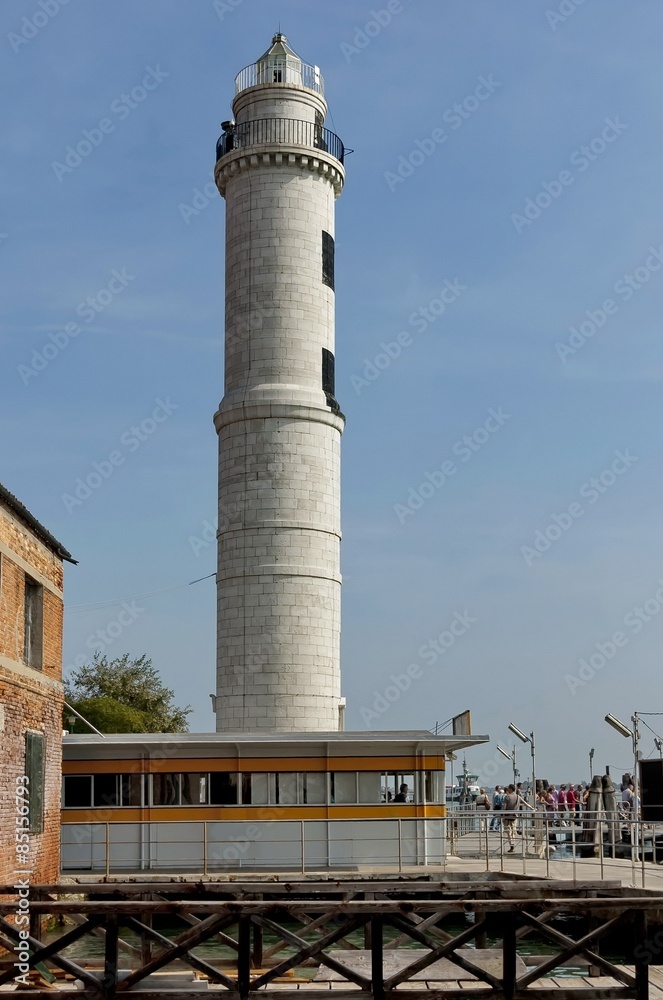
[{"x": 30, "y": 698}]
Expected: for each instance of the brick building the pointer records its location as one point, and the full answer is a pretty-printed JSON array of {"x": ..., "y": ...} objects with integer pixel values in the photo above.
[{"x": 31, "y": 693}]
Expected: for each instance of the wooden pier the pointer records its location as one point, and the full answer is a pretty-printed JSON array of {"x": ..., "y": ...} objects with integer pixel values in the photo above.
[{"x": 381, "y": 937}]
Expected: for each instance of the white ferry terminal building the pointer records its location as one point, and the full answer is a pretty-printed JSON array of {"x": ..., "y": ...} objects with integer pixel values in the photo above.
[{"x": 206, "y": 802}]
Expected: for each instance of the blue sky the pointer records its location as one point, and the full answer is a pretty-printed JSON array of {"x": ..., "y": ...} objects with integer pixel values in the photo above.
[{"x": 534, "y": 88}]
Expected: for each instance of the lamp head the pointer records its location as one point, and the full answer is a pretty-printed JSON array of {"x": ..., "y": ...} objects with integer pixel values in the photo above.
[
  {"x": 613, "y": 721},
  {"x": 505, "y": 753},
  {"x": 517, "y": 732}
]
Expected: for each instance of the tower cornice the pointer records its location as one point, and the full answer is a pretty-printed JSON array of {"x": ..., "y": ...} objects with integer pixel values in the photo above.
[
  {"x": 228, "y": 414},
  {"x": 266, "y": 154}
]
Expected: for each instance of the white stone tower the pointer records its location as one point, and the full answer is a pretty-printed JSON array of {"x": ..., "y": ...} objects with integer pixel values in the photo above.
[{"x": 279, "y": 425}]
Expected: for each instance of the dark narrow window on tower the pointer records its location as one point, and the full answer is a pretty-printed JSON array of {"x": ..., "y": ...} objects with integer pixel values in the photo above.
[
  {"x": 34, "y": 769},
  {"x": 33, "y": 623},
  {"x": 318, "y": 133},
  {"x": 328, "y": 376},
  {"x": 328, "y": 259},
  {"x": 329, "y": 380}
]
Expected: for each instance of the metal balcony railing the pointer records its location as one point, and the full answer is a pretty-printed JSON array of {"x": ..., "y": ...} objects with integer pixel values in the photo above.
[
  {"x": 296, "y": 72},
  {"x": 287, "y": 131}
]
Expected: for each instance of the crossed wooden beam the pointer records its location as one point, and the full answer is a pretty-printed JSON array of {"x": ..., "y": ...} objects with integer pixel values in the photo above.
[{"x": 412, "y": 920}]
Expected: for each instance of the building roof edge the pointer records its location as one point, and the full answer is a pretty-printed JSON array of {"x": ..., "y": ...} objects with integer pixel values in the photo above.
[{"x": 31, "y": 521}]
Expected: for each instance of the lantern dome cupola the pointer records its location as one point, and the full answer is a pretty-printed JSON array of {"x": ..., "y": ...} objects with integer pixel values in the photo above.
[{"x": 280, "y": 64}]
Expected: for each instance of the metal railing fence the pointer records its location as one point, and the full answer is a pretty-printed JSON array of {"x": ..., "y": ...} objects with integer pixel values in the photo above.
[
  {"x": 498, "y": 837},
  {"x": 284, "y": 131},
  {"x": 309, "y": 845},
  {"x": 299, "y": 73}
]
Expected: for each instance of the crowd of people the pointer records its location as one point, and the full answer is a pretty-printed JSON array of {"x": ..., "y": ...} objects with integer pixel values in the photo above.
[
  {"x": 586, "y": 805},
  {"x": 561, "y": 806}
]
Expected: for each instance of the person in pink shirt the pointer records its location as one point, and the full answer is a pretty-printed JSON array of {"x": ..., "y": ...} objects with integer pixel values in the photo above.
[{"x": 571, "y": 803}]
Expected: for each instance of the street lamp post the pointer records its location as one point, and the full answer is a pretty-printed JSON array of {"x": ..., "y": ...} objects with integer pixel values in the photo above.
[
  {"x": 636, "y": 757},
  {"x": 634, "y": 734},
  {"x": 512, "y": 758},
  {"x": 591, "y": 760},
  {"x": 516, "y": 772},
  {"x": 527, "y": 739}
]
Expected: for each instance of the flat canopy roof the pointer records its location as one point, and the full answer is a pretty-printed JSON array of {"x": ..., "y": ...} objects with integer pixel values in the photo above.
[{"x": 322, "y": 744}]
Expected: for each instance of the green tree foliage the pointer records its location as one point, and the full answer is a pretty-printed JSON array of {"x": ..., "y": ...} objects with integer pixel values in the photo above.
[
  {"x": 109, "y": 716},
  {"x": 124, "y": 696}
]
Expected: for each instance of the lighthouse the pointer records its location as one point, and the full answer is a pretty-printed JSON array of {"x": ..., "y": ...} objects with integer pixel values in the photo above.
[{"x": 279, "y": 424}]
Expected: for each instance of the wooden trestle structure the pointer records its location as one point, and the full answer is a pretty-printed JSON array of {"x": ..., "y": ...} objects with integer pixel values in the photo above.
[{"x": 309, "y": 923}]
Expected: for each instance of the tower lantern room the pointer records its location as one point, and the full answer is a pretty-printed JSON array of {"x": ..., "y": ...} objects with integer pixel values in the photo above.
[{"x": 280, "y": 64}]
